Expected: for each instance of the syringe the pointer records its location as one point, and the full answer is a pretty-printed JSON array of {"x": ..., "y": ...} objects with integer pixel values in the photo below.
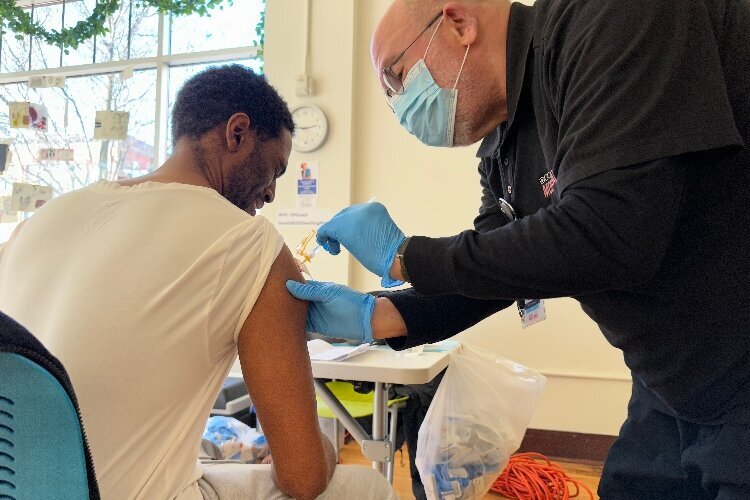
[
  {"x": 315, "y": 250},
  {"x": 305, "y": 257}
]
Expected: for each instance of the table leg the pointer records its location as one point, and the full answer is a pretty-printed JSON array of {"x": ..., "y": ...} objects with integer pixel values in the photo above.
[
  {"x": 336, "y": 438},
  {"x": 379, "y": 419},
  {"x": 338, "y": 409},
  {"x": 392, "y": 430},
  {"x": 376, "y": 448}
]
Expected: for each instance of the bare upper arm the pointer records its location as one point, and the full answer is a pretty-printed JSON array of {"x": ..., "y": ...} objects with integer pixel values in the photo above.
[{"x": 276, "y": 367}]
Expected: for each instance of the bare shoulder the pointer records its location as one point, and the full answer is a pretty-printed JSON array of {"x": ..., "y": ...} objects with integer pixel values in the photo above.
[{"x": 276, "y": 368}]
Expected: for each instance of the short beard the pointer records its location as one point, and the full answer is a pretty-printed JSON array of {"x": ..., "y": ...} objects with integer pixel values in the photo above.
[
  {"x": 471, "y": 119},
  {"x": 461, "y": 134},
  {"x": 244, "y": 181}
]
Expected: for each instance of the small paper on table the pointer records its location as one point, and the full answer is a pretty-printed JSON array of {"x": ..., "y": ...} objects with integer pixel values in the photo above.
[{"x": 320, "y": 350}]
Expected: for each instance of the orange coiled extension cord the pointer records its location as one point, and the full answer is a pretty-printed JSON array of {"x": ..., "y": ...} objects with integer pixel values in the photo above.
[{"x": 531, "y": 476}]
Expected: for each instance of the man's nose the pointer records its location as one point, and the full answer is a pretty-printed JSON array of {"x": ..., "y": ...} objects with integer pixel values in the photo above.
[{"x": 269, "y": 194}]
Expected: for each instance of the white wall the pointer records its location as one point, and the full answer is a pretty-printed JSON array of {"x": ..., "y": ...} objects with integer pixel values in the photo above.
[
  {"x": 433, "y": 192},
  {"x": 331, "y": 64}
]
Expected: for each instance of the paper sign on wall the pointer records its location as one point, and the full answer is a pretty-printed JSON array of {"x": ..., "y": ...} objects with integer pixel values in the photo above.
[
  {"x": 111, "y": 125},
  {"x": 29, "y": 197},
  {"x": 52, "y": 154},
  {"x": 28, "y": 115},
  {"x": 7, "y": 215},
  {"x": 307, "y": 185},
  {"x": 46, "y": 82},
  {"x": 312, "y": 218}
]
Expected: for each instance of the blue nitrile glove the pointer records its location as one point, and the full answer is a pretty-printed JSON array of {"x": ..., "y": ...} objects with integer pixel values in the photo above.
[
  {"x": 336, "y": 310},
  {"x": 369, "y": 233}
]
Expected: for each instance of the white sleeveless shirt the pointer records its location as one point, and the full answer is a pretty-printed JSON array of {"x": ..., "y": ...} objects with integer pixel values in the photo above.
[{"x": 140, "y": 292}]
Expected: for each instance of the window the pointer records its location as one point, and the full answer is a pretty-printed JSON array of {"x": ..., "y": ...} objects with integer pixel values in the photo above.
[
  {"x": 232, "y": 26},
  {"x": 70, "y": 127},
  {"x": 95, "y": 81}
]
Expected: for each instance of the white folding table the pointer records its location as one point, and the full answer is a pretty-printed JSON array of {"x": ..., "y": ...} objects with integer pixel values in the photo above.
[{"x": 383, "y": 366}]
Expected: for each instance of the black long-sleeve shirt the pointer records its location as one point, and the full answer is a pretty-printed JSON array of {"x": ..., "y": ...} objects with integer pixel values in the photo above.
[{"x": 624, "y": 155}]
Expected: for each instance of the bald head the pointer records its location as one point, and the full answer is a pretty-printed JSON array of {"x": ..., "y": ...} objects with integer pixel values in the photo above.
[
  {"x": 418, "y": 13},
  {"x": 390, "y": 34},
  {"x": 425, "y": 9},
  {"x": 400, "y": 41}
]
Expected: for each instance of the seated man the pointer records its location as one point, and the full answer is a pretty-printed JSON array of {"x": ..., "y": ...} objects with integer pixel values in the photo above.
[{"x": 147, "y": 289}]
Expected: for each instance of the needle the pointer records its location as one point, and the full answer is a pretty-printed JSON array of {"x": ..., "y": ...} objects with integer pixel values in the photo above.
[
  {"x": 317, "y": 248},
  {"x": 305, "y": 257}
]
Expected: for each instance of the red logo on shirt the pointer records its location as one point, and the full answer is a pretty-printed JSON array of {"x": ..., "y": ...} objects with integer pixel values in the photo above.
[{"x": 548, "y": 182}]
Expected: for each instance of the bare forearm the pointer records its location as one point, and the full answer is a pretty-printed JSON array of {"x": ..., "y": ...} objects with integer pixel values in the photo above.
[
  {"x": 431, "y": 319},
  {"x": 386, "y": 320},
  {"x": 330, "y": 455},
  {"x": 395, "y": 271},
  {"x": 319, "y": 483}
]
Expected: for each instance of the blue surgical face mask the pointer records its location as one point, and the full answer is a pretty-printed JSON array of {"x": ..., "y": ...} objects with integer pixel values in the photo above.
[{"x": 427, "y": 111}]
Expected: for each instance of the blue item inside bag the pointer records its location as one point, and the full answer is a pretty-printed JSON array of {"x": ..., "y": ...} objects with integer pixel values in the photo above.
[{"x": 236, "y": 440}]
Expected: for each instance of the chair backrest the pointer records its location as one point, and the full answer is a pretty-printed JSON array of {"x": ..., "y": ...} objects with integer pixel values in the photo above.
[{"x": 43, "y": 451}]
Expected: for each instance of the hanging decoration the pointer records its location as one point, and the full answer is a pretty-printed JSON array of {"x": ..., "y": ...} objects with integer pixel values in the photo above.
[
  {"x": 28, "y": 115},
  {"x": 29, "y": 197},
  {"x": 111, "y": 125},
  {"x": 20, "y": 22}
]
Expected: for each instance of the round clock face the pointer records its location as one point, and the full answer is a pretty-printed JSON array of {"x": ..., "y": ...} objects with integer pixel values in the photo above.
[{"x": 310, "y": 128}]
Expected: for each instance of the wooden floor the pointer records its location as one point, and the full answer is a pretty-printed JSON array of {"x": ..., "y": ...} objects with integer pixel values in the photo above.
[{"x": 351, "y": 454}]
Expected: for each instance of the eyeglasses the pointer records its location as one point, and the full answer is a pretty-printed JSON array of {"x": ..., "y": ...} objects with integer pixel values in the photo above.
[{"x": 392, "y": 81}]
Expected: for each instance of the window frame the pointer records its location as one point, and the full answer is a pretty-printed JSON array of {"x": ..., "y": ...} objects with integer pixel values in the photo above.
[{"x": 162, "y": 63}]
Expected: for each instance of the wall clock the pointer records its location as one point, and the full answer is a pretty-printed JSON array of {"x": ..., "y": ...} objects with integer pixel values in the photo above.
[{"x": 310, "y": 128}]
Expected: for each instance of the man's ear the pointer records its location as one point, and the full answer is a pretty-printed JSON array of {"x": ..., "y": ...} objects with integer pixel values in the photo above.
[
  {"x": 239, "y": 133},
  {"x": 462, "y": 22}
]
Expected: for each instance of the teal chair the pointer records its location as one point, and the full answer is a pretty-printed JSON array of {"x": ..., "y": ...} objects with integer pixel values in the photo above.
[{"x": 43, "y": 449}]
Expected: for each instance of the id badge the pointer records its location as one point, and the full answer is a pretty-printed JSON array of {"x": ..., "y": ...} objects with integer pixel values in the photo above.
[{"x": 531, "y": 311}]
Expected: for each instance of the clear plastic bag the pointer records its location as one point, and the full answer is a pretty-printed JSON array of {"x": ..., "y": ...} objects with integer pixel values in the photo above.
[{"x": 475, "y": 422}]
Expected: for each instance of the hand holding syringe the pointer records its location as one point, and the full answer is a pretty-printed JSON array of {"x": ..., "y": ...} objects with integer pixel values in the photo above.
[
  {"x": 302, "y": 256},
  {"x": 371, "y": 236}
]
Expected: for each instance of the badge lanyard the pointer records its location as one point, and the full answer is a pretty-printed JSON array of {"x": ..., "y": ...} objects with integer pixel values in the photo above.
[{"x": 531, "y": 311}]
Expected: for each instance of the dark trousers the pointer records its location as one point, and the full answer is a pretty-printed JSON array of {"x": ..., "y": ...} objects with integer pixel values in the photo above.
[{"x": 657, "y": 456}]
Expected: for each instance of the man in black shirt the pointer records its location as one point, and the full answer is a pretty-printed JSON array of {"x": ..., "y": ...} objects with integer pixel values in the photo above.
[{"x": 615, "y": 169}]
